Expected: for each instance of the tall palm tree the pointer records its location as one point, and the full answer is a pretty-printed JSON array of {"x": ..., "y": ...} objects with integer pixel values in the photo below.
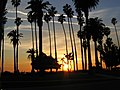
[
  {"x": 114, "y": 21},
  {"x": 85, "y": 6},
  {"x": 52, "y": 13},
  {"x": 71, "y": 13},
  {"x": 3, "y": 21},
  {"x": 96, "y": 26},
  {"x": 80, "y": 19},
  {"x": 47, "y": 18},
  {"x": 37, "y": 7},
  {"x": 14, "y": 40},
  {"x": 61, "y": 19},
  {"x": 16, "y": 3},
  {"x": 32, "y": 57},
  {"x": 66, "y": 10},
  {"x": 30, "y": 19}
]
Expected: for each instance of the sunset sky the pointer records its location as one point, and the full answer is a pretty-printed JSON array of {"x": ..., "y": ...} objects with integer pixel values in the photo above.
[{"x": 107, "y": 9}]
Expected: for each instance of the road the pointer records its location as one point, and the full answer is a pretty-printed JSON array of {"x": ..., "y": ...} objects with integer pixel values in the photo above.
[{"x": 112, "y": 84}]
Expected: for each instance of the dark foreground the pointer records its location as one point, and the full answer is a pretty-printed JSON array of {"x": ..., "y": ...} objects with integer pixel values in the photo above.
[{"x": 61, "y": 81}]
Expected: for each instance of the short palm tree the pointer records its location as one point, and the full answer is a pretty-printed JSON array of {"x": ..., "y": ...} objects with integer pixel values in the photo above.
[
  {"x": 37, "y": 7},
  {"x": 67, "y": 9},
  {"x": 114, "y": 21},
  {"x": 48, "y": 18},
  {"x": 52, "y": 11},
  {"x": 13, "y": 37},
  {"x": 32, "y": 57}
]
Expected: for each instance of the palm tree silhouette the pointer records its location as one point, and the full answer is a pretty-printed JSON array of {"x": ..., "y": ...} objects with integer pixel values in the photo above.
[
  {"x": 52, "y": 13},
  {"x": 30, "y": 19},
  {"x": 37, "y": 7},
  {"x": 67, "y": 10},
  {"x": 2, "y": 22},
  {"x": 71, "y": 15},
  {"x": 14, "y": 40},
  {"x": 47, "y": 18},
  {"x": 80, "y": 19},
  {"x": 32, "y": 57},
  {"x": 114, "y": 21},
  {"x": 85, "y": 6},
  {"x": 96, "y": 26},
  {"x": 16, "y": 3},
  {"x": 61, "y": 19}
]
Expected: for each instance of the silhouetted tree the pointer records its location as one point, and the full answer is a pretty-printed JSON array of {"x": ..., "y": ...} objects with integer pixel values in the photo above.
[
  {"x": 114, "y": 21},
  {"x": 37, "y": 7},
  {"x": 32, "y": 57},
  {"x": 96, "y": 27},
  {"x": 52, "y": 11},
  {"x": 67, "y": 9},
  {"x": 16, "y": 3},
  {"x": 47, "y": 18},
  {"x": 85, "y": 6},
  {"x": 61, "y": 19},
  {"x": 80, "y": 22},
  {"x": 30, "y": 20},
  {"x": 3, "y": 19},
  {"x": 13, "y": 37}
]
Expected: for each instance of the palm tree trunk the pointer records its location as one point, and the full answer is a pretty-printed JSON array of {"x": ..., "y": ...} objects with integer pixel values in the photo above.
[
  {"x": 96, "y": 55},
  {"x": 55, "y": 39},
  {"x": 50, "y": 39},
  {"x": 85, "y": 55},
  {"x": 117, "y": 36},
  {"x": 88, "y": 42},
  {"x": 81, "y": 50},
  {"x": 14, "y": 59},
  {"x": 89, "y": 55},
  {"x": 65, "y": 39},
  {"x": 71, "y": 44},
  {"x": 74, "y": 44},
  {"x": 17, "y": 27},
  {"x": 32, "y": 36},
  {"x": 36, "y": 38},
  {"x": 3, "y": 53}
]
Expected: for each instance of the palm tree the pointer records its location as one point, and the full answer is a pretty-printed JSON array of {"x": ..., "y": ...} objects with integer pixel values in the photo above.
[
  {"x": 66, "y": 10},
  {"x": 30, "y": 19},
  {"x": 106, "y": 32},
  {"x": 3, "y": 21},
  {"x": 88, "y": 37},
  {"x": 96, "y": 26},
  {"x": 32, "y": 57},
  {"x": 79, "y": 34},
  {"x": 16, "y": 3},
  {"x": 37, "y": 7},
  {"x": 85, "y": 6},
  {"x": 52, "y": 13},
  {"x": 13, "y": 37},
  {"x": 61, "y": 19},
  {"x": 71, "y": 13},
  {"x": 47, "y": 18},
  {"x": 114, "y": 21}
]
